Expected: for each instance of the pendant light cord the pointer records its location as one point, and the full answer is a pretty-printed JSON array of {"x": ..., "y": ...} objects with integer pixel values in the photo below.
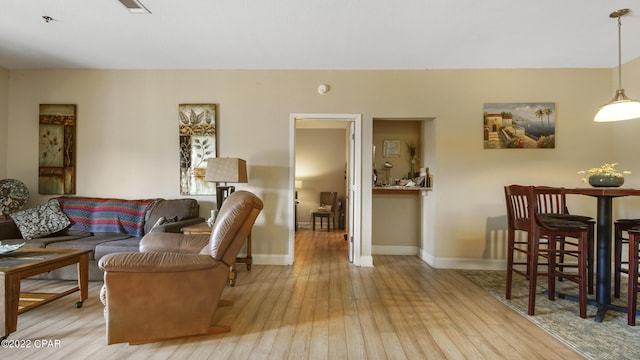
[{"x": 619, "y": 53}]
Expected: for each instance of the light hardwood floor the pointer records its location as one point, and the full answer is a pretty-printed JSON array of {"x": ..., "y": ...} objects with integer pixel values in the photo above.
[{"x": 320, "y": 308}]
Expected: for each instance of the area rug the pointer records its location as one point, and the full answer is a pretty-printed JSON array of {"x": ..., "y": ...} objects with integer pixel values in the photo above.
[{"x": 610, "y": 339}]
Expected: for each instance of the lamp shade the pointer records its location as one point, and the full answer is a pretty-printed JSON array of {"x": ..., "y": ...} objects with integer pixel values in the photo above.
[
  {"x": 231, "y": 170},
  {"x": 620, "y": 108}
]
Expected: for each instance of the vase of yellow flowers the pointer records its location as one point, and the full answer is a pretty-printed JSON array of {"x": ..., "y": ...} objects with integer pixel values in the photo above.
[{"x": 605, "y": 176}]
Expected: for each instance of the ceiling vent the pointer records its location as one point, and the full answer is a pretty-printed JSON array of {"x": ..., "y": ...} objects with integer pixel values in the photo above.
[{"x": 135, "y": 6}]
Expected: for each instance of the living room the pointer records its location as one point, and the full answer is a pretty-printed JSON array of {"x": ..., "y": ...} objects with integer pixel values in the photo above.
[
  {"x": 127, "y": 134},
  {"x": 127, "y": 138},
  {"x": 127, "y": 119}
]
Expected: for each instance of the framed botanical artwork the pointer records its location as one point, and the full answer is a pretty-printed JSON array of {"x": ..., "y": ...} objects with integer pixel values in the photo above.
[
  {"x": 57, "y": 149},
  {"x": 198, "y": 142},
  {"x": 391, "y": 148},
  {"x": 519, "y": 125}
]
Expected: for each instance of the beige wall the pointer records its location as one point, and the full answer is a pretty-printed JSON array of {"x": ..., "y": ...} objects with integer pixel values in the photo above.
[
  {"x": 626, "y": 144},
  {"x": 395, "y": 224},
  {"x": 127, "y": 137},
  {"x": 320, "y": 165},
  {"x": 4, "y": 97}
]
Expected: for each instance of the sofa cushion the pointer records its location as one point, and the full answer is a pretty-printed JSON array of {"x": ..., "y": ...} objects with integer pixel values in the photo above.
[
  {"x": 89, "y": 243},
  {"x": 9, "y": 230},
  {"x": 186, "y": 208},
  {"x": 41, "y": 221},
  {"x": 47, "y": 240},
  {"x": 106, "y": 215},
  {"x": 131, "y": 244},
  {"x": 162, "y": 221}
]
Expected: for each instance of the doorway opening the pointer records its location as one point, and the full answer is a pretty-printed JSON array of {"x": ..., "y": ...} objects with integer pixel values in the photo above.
[{"x": 350, "y": 125}]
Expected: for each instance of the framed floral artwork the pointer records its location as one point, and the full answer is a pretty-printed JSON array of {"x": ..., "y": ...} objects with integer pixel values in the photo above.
[
  {"x": 57, "y": 149},
  {"x": 198, "y": 142},
  {"x": 519, "y": 125}
]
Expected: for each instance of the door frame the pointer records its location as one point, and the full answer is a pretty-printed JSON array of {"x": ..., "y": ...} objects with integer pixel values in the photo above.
[{"x": 356, "y": 177}]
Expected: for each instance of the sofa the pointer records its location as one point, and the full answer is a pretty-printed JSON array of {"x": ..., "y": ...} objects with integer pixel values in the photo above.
[{"x": 102, "y": 225}]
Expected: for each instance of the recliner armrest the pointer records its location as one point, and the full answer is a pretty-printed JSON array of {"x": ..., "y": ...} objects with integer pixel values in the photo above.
[
  {"x": 156, "y": 262},
  {"x": 170, "y": 242}
]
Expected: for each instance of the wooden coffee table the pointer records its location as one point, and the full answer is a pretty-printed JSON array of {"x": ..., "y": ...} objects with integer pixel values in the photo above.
[{"x": 24, "y": 263}]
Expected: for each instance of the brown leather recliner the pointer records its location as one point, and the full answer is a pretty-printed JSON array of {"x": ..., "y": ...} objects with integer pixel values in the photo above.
[{"x": 170, "y": 290}]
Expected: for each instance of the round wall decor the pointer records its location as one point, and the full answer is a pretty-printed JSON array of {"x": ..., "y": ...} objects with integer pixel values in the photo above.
[{"x": 13, "y": 195}]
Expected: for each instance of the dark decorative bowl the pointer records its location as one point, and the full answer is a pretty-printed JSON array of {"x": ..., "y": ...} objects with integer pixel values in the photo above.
[{"x": 604, "y": 180}]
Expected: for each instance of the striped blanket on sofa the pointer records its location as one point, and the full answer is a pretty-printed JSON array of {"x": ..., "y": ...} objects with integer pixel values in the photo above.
[{"x": 106, "y": 215}]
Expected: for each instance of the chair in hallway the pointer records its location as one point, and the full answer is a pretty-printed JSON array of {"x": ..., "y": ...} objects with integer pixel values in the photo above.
[{"x": 327, "y": 210}]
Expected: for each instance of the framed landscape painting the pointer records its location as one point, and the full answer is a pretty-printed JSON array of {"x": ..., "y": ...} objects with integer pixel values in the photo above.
[{"x": 519, "y": 125}]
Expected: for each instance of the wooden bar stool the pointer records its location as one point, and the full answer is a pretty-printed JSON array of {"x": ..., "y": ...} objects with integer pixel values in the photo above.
[
  {"x": 620, "y": 240},
  {"x": 545, "y": 240},
  {"x": 552, "y": 205},
  {"x": 633, "y": 285}
]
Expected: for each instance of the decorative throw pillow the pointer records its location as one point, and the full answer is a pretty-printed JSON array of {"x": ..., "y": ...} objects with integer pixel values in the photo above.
[
  {"x": 161, "y": 221},
  {"x": 41, "y": 221}
]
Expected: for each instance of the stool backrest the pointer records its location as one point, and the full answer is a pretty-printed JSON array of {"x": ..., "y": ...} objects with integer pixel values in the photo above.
[
  {"x": 520, "y": 207},
  {"x": 551, "y": 200}
]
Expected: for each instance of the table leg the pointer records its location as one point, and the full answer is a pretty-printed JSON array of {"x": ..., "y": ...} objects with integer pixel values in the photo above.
[
  {"x": 603, "y": 251},
  {"x": 249, "y": 260},
  {"x": 603, "y": 266},
  {"x": 9, "y": 299},
  {"x": 83, "y": 278},
  {"x": 232, "y": 275}
]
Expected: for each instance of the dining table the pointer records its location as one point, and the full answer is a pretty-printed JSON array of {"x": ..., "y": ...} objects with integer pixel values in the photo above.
[{"x": 604, "y": 239}]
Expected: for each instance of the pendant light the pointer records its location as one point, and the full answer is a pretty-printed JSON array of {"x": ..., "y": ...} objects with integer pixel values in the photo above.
[{"x": 620, "y": 107}]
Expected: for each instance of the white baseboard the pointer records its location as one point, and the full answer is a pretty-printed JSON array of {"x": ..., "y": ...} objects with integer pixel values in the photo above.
[
  {"x": 366, "y": 261},
  {"x": 470, "y": 264},
  {"x": 462, "y": 263},
  {"x": 437, "y": 263},
  {"x": 427, "y": 257},
  {"x": 394, "y": 250}
]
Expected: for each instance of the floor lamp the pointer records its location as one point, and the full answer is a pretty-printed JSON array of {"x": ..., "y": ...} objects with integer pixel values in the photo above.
[{"x": 225, "y": 170}]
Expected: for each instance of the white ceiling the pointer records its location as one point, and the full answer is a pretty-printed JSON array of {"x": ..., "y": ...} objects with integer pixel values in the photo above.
[{"x": 316, "y": 34}]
